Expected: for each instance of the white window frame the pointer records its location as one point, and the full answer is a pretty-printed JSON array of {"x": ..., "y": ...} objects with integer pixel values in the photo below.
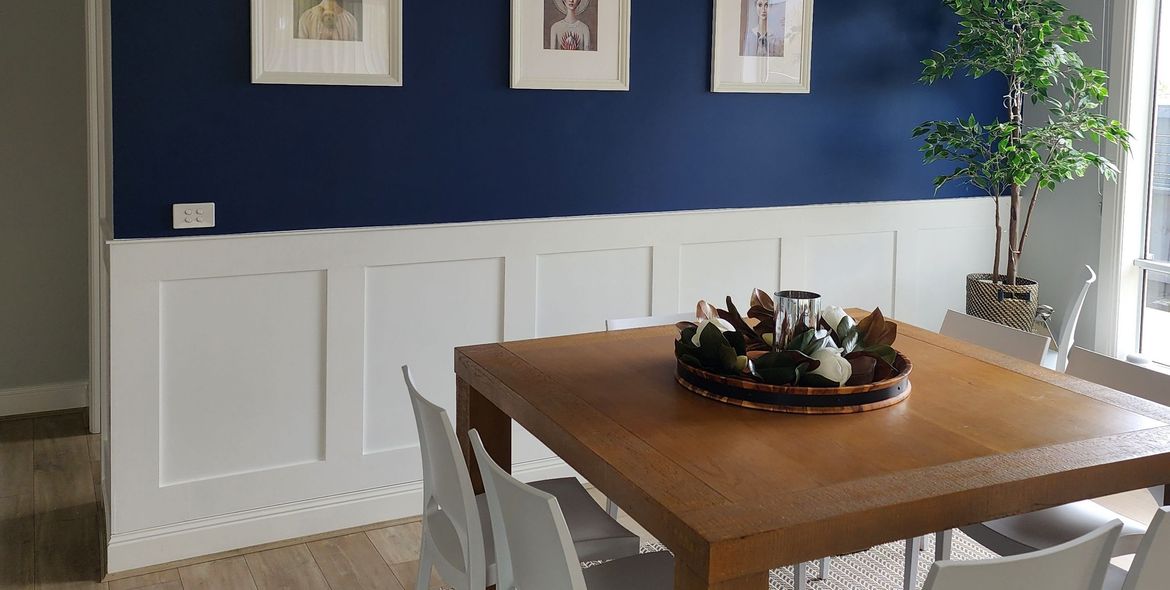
[{"x": 1132, "y": 65}]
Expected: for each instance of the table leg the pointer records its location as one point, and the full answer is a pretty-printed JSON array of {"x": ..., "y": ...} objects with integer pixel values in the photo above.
[
  {"x": 687, "y": 579},
  {"x": 473, "y": 410}
]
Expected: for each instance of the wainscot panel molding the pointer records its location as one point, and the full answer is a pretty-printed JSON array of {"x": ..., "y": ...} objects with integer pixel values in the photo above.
[
  {"x": 44, "y": 398},
  {"x": 255, "y": 392}
]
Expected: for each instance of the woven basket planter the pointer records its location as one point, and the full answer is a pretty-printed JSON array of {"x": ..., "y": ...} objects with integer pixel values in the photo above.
[{"x": 1010, "y": 305}]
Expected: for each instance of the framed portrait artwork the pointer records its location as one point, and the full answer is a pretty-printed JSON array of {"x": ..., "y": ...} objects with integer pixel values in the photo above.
[
  {"x": 341, "y": 42},
  {"x": 571, "y": 44},
  {"x": 762, "y": 46}
]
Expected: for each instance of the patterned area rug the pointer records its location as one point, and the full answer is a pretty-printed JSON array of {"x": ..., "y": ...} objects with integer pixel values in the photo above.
[{"x": 880, "y": 568}]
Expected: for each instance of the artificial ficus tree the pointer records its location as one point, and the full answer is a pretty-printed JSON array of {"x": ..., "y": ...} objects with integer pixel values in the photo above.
[{"x": 1028, "y": 43}]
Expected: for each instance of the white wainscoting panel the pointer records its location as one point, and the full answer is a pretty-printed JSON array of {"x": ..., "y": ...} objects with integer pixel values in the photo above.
[
  {"x": 414, "y": 314},
  {"x": 254, "y": 384},
  {"x": 577, "y": 291},
  {"x": 939, "y": 248},
  {"x": 240, "y": 356},
  {"x": 712, "y": 271},
  {"x": 852, "y": 270}
]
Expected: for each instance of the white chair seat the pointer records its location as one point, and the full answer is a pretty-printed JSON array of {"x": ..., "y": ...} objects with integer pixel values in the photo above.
[
  {"x": 649, "y": 571},
  {"x": 1050, "y": 527}
]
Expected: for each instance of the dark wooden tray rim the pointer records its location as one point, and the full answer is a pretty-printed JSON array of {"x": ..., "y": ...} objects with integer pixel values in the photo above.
[{"x": 802, "y": 400}]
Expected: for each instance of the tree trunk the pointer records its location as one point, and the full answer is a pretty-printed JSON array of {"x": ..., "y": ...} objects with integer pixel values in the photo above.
[
  {"x": 1014, "y": 236},
  {"x": 998, "y": 238}
]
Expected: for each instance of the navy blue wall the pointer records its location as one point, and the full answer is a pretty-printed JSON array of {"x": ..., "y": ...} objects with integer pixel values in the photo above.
[{"x": 456, "y": 144}]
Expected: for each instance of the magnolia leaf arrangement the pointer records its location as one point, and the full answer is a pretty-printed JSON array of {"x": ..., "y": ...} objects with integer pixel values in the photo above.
[{"x": 838, "y": 351}]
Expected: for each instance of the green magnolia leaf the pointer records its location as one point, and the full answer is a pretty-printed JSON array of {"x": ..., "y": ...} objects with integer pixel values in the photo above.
[
  {"x": 736, "y": 340},
  {"x": 778, "y": 375}
]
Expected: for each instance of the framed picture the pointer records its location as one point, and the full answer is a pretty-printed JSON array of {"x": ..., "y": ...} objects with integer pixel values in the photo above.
[
  {"x": 762, "y": 46},
  {"x": 342, "y": 42},
  {"x": 571, "y": 44}
]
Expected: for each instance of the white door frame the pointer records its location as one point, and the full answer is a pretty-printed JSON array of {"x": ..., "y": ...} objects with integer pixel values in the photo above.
[
  {"x": 1131, "y": 65},
  {"x": 99, "y": 188}
]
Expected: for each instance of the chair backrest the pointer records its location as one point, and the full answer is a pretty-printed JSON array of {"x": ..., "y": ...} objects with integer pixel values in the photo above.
[
  {"x": 1080, "y": 564},
  {"x": 657, "y": 320},
  {"x": 533, "y": 546},
  {"x": 1068, "y": 328},
  {"x": 1150, "y": 569},
  {"x": 448, "y": 499},
  {"x": 1010, "y": 341},
  {"x": 1120, "y": 375}
]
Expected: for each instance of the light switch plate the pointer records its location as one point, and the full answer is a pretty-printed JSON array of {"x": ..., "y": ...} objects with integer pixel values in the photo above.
[{"x": 193, "y": 215}]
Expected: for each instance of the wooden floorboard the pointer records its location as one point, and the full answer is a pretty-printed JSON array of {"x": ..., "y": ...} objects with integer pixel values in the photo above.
[
  {"x": 222, "y": 574},
  {"x": 166, "y": 580},
  {"x": 288, "y": 567},
  {"x": 397, "y": 544},
  {"x": 66, "y": 552},
  {"x": 407, "y": 574},
  {"x": 16, "y": 542},
  {"x": 353, "y": 562}
]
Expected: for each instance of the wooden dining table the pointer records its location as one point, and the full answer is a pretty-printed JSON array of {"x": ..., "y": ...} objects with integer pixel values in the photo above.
[{"x": 735, "y": 492}]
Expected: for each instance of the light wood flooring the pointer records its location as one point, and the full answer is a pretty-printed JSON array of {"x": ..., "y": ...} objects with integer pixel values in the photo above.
[{"x": 50, "y": 530}]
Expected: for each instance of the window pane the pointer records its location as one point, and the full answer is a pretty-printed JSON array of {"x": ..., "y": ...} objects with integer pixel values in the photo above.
[
  {"x": 1158, "y": 211},
  {"x": 1156, "y": 318}
]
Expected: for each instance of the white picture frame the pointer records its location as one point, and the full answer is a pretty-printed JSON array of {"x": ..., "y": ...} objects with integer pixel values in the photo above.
[
  {"x": 372, "y": 56},
  {"x": 606, "y": 66},
  {"x": 786, "y": 63}
]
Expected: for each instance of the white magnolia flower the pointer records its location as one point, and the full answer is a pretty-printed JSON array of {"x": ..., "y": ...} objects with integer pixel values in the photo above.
[
  {"x": 834, "y": 367},
  {"x": 833, "y": 316},
  {"x": 722, "y": 324}
]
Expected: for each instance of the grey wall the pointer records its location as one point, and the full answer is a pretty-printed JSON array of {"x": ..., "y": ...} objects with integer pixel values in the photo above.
[
  {"x": 43, "y": 309},
  {"x": 1066, "y": 228}
]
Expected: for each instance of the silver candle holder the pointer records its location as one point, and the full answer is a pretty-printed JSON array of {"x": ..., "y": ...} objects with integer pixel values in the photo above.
[{"x": 796, "y": 311}]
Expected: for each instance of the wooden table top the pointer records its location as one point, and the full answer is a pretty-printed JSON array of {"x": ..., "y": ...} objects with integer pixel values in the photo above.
[{"x": 733, "y": 490}]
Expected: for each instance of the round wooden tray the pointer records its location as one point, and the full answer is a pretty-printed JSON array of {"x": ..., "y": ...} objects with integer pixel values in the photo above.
[{"x": 799, "y": 400}]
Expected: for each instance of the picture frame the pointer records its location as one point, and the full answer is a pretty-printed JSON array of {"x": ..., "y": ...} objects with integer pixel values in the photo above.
[
  {"x": 552, "y": 50},
  {"x": 748, "y": 57},
  {"x": 330, "y": 42}
]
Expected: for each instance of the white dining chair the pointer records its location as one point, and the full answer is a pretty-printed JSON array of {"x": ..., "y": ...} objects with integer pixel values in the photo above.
[
  {"x": 648, "y": 322},
  {"x": 1010, "y": 341},
  {"x": 1046, "y": 528},
  {"x": 642, "y": 322},
  {"x": 1080, "y": 564},
  {"x": 456, "y": 535},
  {"x": 1143, "y": 381},
  {"x": 1017, "y": 343},
  {"x": 534, "y": 549},
  {"x": 1068, "y": 327},
  {"x": 1150, "y": 569}
]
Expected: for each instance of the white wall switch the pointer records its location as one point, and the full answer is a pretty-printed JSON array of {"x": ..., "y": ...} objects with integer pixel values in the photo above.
[{"x": 193, "y": 215}]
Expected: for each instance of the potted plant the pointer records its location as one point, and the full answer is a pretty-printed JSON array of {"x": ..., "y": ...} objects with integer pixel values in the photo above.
[{"x": 1029, "y": 44}]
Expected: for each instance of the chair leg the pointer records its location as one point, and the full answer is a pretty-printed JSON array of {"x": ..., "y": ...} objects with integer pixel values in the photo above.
[
  {"x": 799, "y": 577},
  {"x": 611, "y": 508},
  {"x": 942, "y": 544},
  {"x": 825, "y": 563},
  {"x": 910, "y": 573}
]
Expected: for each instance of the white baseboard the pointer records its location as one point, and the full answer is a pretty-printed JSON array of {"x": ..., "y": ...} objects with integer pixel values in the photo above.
[
  {"x": 196, "y": 538},
  {"x": 43, "y": 398}
]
